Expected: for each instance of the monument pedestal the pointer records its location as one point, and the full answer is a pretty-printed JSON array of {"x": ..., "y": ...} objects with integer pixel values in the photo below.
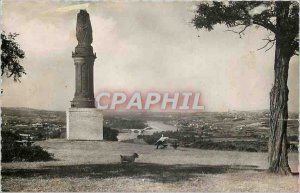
[{"x": 84, "y": 124}]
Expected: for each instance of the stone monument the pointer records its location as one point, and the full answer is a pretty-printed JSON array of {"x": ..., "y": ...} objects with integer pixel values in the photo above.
[{"x": 84, "y": 121}]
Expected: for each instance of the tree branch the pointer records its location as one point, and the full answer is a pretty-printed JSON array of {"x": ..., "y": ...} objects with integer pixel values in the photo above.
[
  {"x": 268, "y": 42},
  {"x": 266, "y": 25},
  {"x": 273, "y": 43},
  {"x": 239, "y": 32}
]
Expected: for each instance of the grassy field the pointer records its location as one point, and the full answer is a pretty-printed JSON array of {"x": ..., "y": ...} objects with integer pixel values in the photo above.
[{"x": 95, "y": 166}]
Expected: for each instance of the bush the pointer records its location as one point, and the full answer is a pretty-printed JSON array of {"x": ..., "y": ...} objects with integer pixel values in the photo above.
[
  {"x": 32, "y": 153},
  {"x": 110, "y": 134},
  {"x": 249, "y": 146},
  {"x": 8, "y": 145},
  {"x": 127, "y": 124},
  {"x": 15, "y": 152},
  {"x": 188, "y": 139}
]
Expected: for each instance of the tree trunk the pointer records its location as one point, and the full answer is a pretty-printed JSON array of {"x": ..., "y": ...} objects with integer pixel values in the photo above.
[
  {"x": 278, "y": 143},
  {"x": 278, "y": 158}
]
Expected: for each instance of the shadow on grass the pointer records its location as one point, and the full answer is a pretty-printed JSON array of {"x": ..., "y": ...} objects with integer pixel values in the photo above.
[{"x": 156, "y": 172}]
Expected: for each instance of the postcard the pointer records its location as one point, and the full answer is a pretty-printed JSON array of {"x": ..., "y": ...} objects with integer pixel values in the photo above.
[{"x": 149, "y": 96}]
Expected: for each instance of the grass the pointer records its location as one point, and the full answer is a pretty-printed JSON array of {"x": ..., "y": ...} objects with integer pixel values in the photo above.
[
  {"x": 153, "y": 172},
  {"x": 95, "y": 166},
  {"x": 229, "y": 182}
]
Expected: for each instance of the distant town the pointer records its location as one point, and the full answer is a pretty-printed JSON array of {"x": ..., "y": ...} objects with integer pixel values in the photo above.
[{"x": 234, "y": 130}]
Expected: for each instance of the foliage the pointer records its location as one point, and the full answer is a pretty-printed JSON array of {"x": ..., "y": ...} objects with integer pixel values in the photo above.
[
  {"x": 240, "y": 15},
  {"x": 127, "y": 124},
  {"x": 10, "y": 56},
  {"x": 189, "y": 139},
  {"x": 15, "y": 152},
  {"x": 249, "y": 146},
  {"x": 32, "y": 153},
  {"x": 110, "y": 134}
]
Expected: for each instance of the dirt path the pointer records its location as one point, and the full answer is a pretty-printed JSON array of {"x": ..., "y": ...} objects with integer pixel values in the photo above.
[{"x": 94, "y": 166}]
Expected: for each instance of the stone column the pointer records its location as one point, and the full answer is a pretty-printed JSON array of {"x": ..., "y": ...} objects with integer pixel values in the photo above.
[
  {"x": 84, "y": 121},
  {"x": 84, "y": 81}
]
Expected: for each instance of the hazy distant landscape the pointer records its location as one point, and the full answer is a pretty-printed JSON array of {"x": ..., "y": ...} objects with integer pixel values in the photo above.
[{"x": 236, "y": 130}]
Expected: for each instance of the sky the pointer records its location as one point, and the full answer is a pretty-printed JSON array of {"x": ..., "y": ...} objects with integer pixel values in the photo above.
[{"x": 140, "y": 46}]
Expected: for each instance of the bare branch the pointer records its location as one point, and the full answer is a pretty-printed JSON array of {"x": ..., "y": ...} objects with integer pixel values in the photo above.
[
  {"x": 268, "y": 39},
  {"x": 273, "y": 43},
  {"x": 239, "y": 32},
  {"x": 268, "y": 42},
  {"x": 266, "y": 24}
]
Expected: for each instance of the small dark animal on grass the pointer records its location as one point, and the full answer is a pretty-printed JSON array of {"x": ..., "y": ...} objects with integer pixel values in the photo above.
[{"x": 129, "y": 158}]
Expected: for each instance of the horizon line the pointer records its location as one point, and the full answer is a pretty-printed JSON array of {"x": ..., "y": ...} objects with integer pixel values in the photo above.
[{"x": 143, "y": 111}]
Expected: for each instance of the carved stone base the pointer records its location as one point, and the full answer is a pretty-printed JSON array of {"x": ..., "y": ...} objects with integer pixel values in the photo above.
[{"x": 84, "y": 124}]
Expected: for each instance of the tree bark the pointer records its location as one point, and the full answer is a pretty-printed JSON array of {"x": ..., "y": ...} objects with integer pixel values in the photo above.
[
  {"x": 278, "y": 158},
  {"x": 278, "y": 143}
]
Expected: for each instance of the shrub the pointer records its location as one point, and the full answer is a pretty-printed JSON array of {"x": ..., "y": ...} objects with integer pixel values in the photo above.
[
  {"x": 15, "y": 152},
  {"x": 8, "y": 145},
  {"x": 110, "y": 134},
  {"x": 188, "y": 139},
  {"x": 127, "y": 124},
  {"x": 32, "y": 153}
]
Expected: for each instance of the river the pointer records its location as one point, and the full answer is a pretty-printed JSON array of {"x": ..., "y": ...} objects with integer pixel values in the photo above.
[{"x": 157, "y": 126}]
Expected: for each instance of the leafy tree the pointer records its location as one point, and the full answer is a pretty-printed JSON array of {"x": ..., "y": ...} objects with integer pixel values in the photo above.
[
  {"x": 281, "y": 20},
  {"x": 11, "y": 56}
]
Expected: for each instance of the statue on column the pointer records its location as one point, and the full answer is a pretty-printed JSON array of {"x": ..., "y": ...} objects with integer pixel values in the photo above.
[
  {"x": 84, "y": 29},
  {"x": 84, "y": 34}
]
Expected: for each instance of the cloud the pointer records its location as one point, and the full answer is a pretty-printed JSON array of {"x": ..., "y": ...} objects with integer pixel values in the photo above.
[{"x": 68, "y": 8}]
